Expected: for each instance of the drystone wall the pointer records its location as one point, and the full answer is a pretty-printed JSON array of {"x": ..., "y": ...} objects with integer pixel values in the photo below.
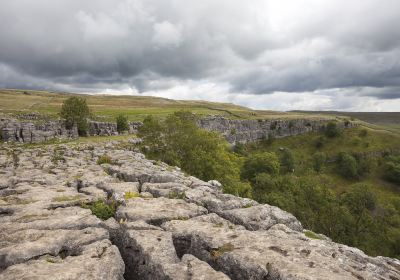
[
  {"x": 166, "y": 226},
  {"x": 243, "y": 131}
]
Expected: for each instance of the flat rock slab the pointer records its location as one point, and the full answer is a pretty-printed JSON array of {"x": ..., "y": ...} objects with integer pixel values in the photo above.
[
  {"x": 97, "y": 261},
  {"x": 279, "y": 253},
  {"x": 261, "y": 217},
  {"x": 158, "y": 210}
]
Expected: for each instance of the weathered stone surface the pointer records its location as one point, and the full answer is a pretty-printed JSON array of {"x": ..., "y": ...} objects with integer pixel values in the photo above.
[
  {"x": 96, "y": 261},
  {"x": 170, "y": 226},
  {"x": 158, "y": 210},
  {"x": 199, "y": 270},
  {"x": 261, "y": 217},
  {"x": 279, "y": 253},
  {"x": 169, "y": 190}
]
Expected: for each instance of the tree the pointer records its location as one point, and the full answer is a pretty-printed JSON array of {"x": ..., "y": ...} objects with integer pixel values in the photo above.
[
  {"x": 263, "y": 162},
  {"x": 392, "y": 169},
  {"x": 318, "y": 161},
  {"x": 76, "y": 112},
  {"x": 332, "y": 130},
  {"x": 347, "y": 165},
  {"x": 122, "y": 123},
  {"x": 178, "y": 141},
  {"x": 287, "y": 161}
]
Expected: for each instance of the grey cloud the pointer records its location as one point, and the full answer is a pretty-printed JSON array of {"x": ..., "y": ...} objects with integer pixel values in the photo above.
[{"x": 259, "y": 47}]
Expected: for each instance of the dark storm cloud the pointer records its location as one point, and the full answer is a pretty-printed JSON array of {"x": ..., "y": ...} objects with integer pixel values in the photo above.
[{"x": 257, "y": 47}]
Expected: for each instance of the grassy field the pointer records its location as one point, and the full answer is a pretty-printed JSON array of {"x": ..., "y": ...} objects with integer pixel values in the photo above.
[{"x": 107, "y": 107}]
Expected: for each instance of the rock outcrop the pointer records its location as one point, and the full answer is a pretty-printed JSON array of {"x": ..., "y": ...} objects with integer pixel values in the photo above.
[
  {"x": 167, "y": 225},
  {"x": 243, "y": 131},
  {"x": 28, "y": 131},
  {"x": 12, "y": 130}
]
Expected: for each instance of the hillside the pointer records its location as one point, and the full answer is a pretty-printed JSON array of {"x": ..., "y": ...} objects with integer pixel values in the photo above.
[
  {"x": 107, "y": 107},
  {"x": 388, "y": 120}
]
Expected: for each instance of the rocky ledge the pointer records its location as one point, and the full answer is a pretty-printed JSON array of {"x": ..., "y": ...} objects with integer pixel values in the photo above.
[
  {"x": 166, "y": 226},
  {"x": 243, "y": 131}
]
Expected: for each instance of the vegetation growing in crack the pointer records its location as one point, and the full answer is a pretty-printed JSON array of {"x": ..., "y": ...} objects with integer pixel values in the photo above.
[
  {"x": 225, "y": 248},
  {"x": 101, "y": 209},
  {"x": 130, "y": 195},
  {"x": 104, "y": 159}
]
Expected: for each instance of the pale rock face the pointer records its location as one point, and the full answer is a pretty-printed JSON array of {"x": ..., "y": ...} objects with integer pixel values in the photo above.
[
  {"x": 171, "y": 226},
  {"x": 243, "y": 131}
]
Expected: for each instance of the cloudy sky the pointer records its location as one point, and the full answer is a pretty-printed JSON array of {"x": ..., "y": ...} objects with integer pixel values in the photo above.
[{"x": 266, "y": 54}]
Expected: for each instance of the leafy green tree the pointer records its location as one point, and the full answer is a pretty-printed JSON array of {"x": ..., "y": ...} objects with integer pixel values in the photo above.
[
  {"x": 122, "y": 123},
  {"x": 263, "y": 162},
  {"x": 347, "y": 166},
  {"x": 287, "y": 161},
  {"x": 178, "y": 141},
  {"x": 332, "y": 130},
  {"x": 392, "y": 169},
  {"x": 76, "y": 112},
  {"x": 318, "y": 161},
  {"x": 361, "y": 202}
]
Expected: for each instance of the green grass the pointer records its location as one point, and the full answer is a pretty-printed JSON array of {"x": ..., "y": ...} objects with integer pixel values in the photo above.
[
  {"x": 135, "y": 107},
  {"x": 130, "y": 195},
  {"x": 311, "y": 234}
]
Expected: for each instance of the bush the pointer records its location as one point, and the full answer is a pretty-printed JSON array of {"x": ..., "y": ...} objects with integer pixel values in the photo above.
[
  {"x": 104, "y": 159},
  {"x": 392, "y": 169},
  {"x": 122, "y": 123},
  {"x": 287, "y": 161},
  {"x": 76, "y": 112},
  {"x": 318, "y": 161},
  {"x": 263, "y": 162},
  {"x": 101, "y": 209},
  {"x": 363, "y": 133},
  {"x": 332, "y": 130},
  {"x": 347, "y": 166},
  {"x": 320, "y": 142}
]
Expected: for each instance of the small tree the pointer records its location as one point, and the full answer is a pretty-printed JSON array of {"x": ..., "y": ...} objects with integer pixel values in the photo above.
[
  {"x": 318, "y": 161},
  {"x": 287, "y": 161},
  {"x": 347, "y": 165},
  {"x": 259, "y": 163},
  {"x": 332, "y": 130},
  {"x": 392, "y": 169},
  {"x": 122, "y": 123},
  {"x": 75, "y": 111}
]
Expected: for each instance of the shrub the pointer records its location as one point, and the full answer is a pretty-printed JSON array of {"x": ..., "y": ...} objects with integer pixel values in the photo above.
[
  {"x": 104, "y": 159},
  {"x": 287, "y": 161},
  {"x": 263, "y": 162},
  {"x": 318, "y": 161},
  {"x": 122, "y": 123},
  {"x": 101, "y": 209},
  {"x": 363, "y": 133},
  {"x": 392, "y": 169},
  {"x": 320, "y": 142},
  {"x": 332, "y": 130},
  {"x": 347, "y": 165},
  {"x": 76, "y": 112}
]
